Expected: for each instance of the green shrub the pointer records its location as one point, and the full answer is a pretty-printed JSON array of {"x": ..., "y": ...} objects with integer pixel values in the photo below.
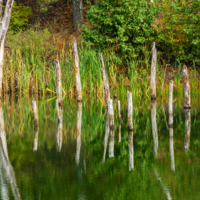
[
  {"x": 19, "y": 17},
  {"x": 178, "y": 32},
  {"x": 125, "y": 25}
]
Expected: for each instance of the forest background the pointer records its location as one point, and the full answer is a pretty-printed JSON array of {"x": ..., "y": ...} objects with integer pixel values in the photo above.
[{"x": 124, "y": 31}]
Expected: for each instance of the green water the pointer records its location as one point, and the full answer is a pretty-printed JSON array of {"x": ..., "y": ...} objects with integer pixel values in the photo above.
[{"x": 64, "y": 167}]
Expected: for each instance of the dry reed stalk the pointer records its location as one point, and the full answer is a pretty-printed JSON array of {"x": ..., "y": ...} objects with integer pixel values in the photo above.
[
  {"x": 153, "y": 72},
  {"x": 58, "y": 84},
  {"x": 5, "y": 164},
  {"x": 186, "y": 86},
  {"x": 4, "y": 24},
  {"x": 111, "y": 127},
  {"x": 36, "y": 125},
  {"x": 105, "y": 79},
  {"x": 170, "y": 105},
  {"x": 187, "y": 129},
  {"x": 119, "y": 118},
  {"x": 59, "y": 125},
  {"x": 154, "y": 126},
  {"x": 130, "y": 130},
  {"x": 78, "y": 132},
  {"x": 77, "y": 72}
]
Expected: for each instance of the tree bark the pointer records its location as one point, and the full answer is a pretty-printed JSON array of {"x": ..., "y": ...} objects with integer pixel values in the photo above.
[
  {"x": 78, "y": 19},
  {"x": 186, "y": 87},
  {"x": 4, "y": 24},
  {"x": 153, "y": 72},
  {"x": 77, "y": 72}
]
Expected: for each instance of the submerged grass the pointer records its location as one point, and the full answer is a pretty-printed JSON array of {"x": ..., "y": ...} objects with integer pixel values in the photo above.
[{"x": 28, "y": 68}]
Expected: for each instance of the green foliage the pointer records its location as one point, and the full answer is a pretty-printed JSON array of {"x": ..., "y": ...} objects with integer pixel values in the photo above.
[
  {"x": 178, "y": 31},
  {"x": 125, "y": 25},
  {"x": 19, "y": 17}
]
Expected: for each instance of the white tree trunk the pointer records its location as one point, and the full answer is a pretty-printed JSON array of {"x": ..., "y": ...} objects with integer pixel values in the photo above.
[
  {"x": 59, "y": 125},
  {"x": 4, "y": 24},
  {"x": 186, "y": 86},
  {"x": 78, "y": 132},
  {"x": 154, "y": 126},
  {"x": 153, "y": 72},
  {"x": 187, "y": 129},
  {"x": 36, "y": 125},
  {"x": 58, "y": 84},
  {"x": 77, "y": 72}
]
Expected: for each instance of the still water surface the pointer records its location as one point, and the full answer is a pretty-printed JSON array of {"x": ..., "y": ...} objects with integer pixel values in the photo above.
[{"x": 59, "y": 161}]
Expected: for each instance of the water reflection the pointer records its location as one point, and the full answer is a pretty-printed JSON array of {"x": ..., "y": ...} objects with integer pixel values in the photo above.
[
  {"x": 130, "y": 150},
  {"x": 6, "y": 169},
  {"x": 111, "y": 127},
  {"x": 36, "y": 125},
  {"x": 78, "y": 132},
  {"x": 106, "y": 137},
  {"x": 59, "y": 125},
  {"x": 187, "y": 129},
  {"x": 154, "y": 126}
]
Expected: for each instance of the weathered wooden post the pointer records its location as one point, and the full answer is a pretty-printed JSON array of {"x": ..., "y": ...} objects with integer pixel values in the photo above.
[
  {"x": 77, "y": 71},
  {"x": 130, "y": 130},
  {"x": 105, "y": 80},
  {"x": 170, "y": 105},
  {"x": 4, "y": 24},
  {"x": 111, "y": 126},
  {"x": 187, "y": 129},
  {"x": 154, "y": 126},
  {"x": 58, "y": 84},
  {"x": 153, "y": 72},
  {"x": 186, "y": 87},
  {"x": 119, "y": 117},
  {"x": 59, "y": 126},
  {"x": 78, "y": 132},
  {"x": 36, "y": 125}
]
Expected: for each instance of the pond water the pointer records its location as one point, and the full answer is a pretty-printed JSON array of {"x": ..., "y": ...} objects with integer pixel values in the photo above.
[{"x": 59, "y": 161}]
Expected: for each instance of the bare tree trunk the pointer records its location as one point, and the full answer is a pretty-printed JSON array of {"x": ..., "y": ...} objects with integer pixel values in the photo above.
[
  {"x": 5, "y": 162},
  {"x": 119, "y": 117},
  {"x": 58, "y": 82},
  {"x": 77, "y": 71},
  {"x": 78, "y": 19},
  {"x": 111, "y": 125},
  {"x": 171, "y": 145},
  {"x": 105, "y": 79},
  {"x": 59, "y": 125},
  {"x": 153, "y": 72},
  {"x": 130, "y": 130},
  {"x": 154, "y": 126},
  {"x": 78, "y": 132},
  {"x": 4, "y": 24},
  {"x": 187, "y": 129},
  {"x": 36, "y": 125},
  {"x": 186, "y": 86}
]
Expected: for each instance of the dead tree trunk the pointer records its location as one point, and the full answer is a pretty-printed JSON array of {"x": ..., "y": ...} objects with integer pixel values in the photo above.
[
  {"x": 153, "y": 72},
  {"x": 187, "y": 129},
  {"x": 105, "y": 79},
  {"x": 154, "y": 126},
  {"x": 36, "y": 125},
  {"x": 119, "y": 117},
  {"x": 58, "y": 83},
  {"x": 78, "y": 132},
  {"x": 130, "y": 131},
  {"x": 78, "y": 19},
  {"x": 4, "y": 24},
  {"x": 77, "y": 72},
  {"x": 59, "y": 125},
  {"x": 186, "y": 87},
  {"x": 171, "y": 143},
  {"x": 111, "y": 126}
]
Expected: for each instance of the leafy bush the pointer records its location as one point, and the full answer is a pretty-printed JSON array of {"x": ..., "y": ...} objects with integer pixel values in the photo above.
[
  {"x": 125, "y": 24},
  {"x": 19, "y": 17},
  {"x": 178, "y": 31}
]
